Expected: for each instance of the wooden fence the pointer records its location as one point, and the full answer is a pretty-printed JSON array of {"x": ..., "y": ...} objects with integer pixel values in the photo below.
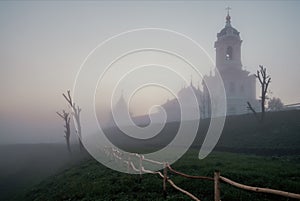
[{"x": 217, "y": 179}]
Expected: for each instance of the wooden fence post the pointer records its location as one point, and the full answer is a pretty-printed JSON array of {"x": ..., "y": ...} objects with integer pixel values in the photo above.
[
  {"x": 128, "y": 165},
  {"x": 165, "y": 181},
  {"x": 141, "y": 165},
  {"x": 217, "y": 185}
]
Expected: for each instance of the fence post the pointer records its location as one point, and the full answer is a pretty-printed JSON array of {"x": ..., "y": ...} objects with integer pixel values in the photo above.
[
  {"x": 217, "y": 185},
  {"x": 128, "y": 165},
  {"x": 165, "y": 181},
  {"x": 141, "y": 165}
]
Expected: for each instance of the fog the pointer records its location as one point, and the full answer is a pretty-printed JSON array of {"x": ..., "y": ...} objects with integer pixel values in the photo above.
[
  {"x": 43, "y": 45},
  {"x": 24, "y": 165}
]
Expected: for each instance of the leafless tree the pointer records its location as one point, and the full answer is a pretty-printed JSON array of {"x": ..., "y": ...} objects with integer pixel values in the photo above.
[
  {"x": 65, "y": 116},
  {"x": 76, "y": 113},
  {"x": 264, "y": 81}
]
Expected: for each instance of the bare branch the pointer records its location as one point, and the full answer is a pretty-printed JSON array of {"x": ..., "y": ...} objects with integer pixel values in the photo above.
[
  {"x": 259, "y": 78},
  {"x": 267, "y": 85},
  {"x": 68, "y": 99},
  {"x": 75, "y": 111},
  {"x": 251, "y": 108},
  {"x": 61, "y": 115}
]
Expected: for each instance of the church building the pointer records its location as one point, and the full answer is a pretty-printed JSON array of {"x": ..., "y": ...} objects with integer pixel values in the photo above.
[{"x": 240, "y": 85}]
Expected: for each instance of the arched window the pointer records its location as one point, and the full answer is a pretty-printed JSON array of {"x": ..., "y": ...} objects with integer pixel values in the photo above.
[{"x": 229, "y": 53}]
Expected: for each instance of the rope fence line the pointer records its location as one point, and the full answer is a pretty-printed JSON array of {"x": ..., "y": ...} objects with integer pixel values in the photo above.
[{"x": 116, "y": 154}]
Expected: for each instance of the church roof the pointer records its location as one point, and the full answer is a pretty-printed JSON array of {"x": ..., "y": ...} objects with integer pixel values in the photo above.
[{"x": 228, "y": 29}]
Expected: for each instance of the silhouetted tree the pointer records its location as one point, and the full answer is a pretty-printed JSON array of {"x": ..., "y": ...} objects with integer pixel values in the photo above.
[
  {"x": 65, "y": 116},
  {"x": 76, "y": 113},
  {"x": 264, "y": 81}
]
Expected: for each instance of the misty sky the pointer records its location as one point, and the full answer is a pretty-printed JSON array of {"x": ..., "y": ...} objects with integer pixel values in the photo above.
[{"x": 42, "y": 45}]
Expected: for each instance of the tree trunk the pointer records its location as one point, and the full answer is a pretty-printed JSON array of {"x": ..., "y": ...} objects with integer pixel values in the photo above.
[{"x": 68, "y": 145}]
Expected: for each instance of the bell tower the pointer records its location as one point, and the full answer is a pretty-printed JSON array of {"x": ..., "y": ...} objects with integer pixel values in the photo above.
[
  {"x": 239, "y": 84},
  {"x": 228, "y": 47}
]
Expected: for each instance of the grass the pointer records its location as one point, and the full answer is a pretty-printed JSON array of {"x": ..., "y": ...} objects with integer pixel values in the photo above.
[
  {"x": 276, "y": 165},
  {"x": 92, "y": 181},
  {"x": 278, "y": 135}
]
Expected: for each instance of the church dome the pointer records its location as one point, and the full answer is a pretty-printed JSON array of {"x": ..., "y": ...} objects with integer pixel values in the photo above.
[{"x": 228, "y": 30}]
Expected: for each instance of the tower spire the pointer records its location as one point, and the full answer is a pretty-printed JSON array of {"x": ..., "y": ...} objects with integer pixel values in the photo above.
[
  {"x": 228, "y": 18},
  {"x": 228, "y": 9}
]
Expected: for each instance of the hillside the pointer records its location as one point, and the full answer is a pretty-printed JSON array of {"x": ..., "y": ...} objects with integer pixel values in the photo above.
[
  {"x": 23, "y": 165},
  {"x": 92, "y": 181},
  {"x": 277, "y": 142},
  {"x": 278, "y": 135}
]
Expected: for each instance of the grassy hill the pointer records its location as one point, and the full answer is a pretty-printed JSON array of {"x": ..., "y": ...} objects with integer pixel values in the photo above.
[
  {"x": 278, "y": 135},
  {"x": 23, "y": 165},
  {"x": 265, "y": 155},
  {"x": 92, "y": 181}
]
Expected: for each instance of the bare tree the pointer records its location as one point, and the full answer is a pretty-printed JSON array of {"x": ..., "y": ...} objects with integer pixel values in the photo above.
[
  {"x": 65, "y": 116},
  {"x": 76, "y": 113},
  {"x": 264, "y": 81}
]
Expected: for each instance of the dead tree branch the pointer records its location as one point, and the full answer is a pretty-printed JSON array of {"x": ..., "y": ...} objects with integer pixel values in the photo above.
[
  {"x": 65, "y": 116},
  {"x": 264, "y": 81},
  {"x": 253, "y": 110},
  {"x": 76, "y": 114}
]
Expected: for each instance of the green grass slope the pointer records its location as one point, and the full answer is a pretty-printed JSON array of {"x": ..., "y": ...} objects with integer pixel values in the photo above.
[
  {"x": 23, "y": 165},
  {"x": 91, "y": 181},
  {"x": 272, "y": 161},
  {"x": 279, "y": 133}
]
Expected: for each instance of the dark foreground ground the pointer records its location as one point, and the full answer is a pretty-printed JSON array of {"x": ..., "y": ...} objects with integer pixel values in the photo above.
[
  {"x": 92, "y": 181},
  {"x": 24, "y": 165}
]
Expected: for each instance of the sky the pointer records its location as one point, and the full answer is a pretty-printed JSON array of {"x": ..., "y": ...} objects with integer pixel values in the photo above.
[{"x": 43, "y": 44}]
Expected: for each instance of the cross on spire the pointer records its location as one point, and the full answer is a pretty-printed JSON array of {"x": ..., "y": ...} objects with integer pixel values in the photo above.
[
  {"x": 228, "y": 9},
  {"x": 228, "y": 17}
]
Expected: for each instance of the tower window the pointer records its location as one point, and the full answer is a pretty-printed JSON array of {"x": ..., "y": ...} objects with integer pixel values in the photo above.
[{"x": 229, "y": 53}]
